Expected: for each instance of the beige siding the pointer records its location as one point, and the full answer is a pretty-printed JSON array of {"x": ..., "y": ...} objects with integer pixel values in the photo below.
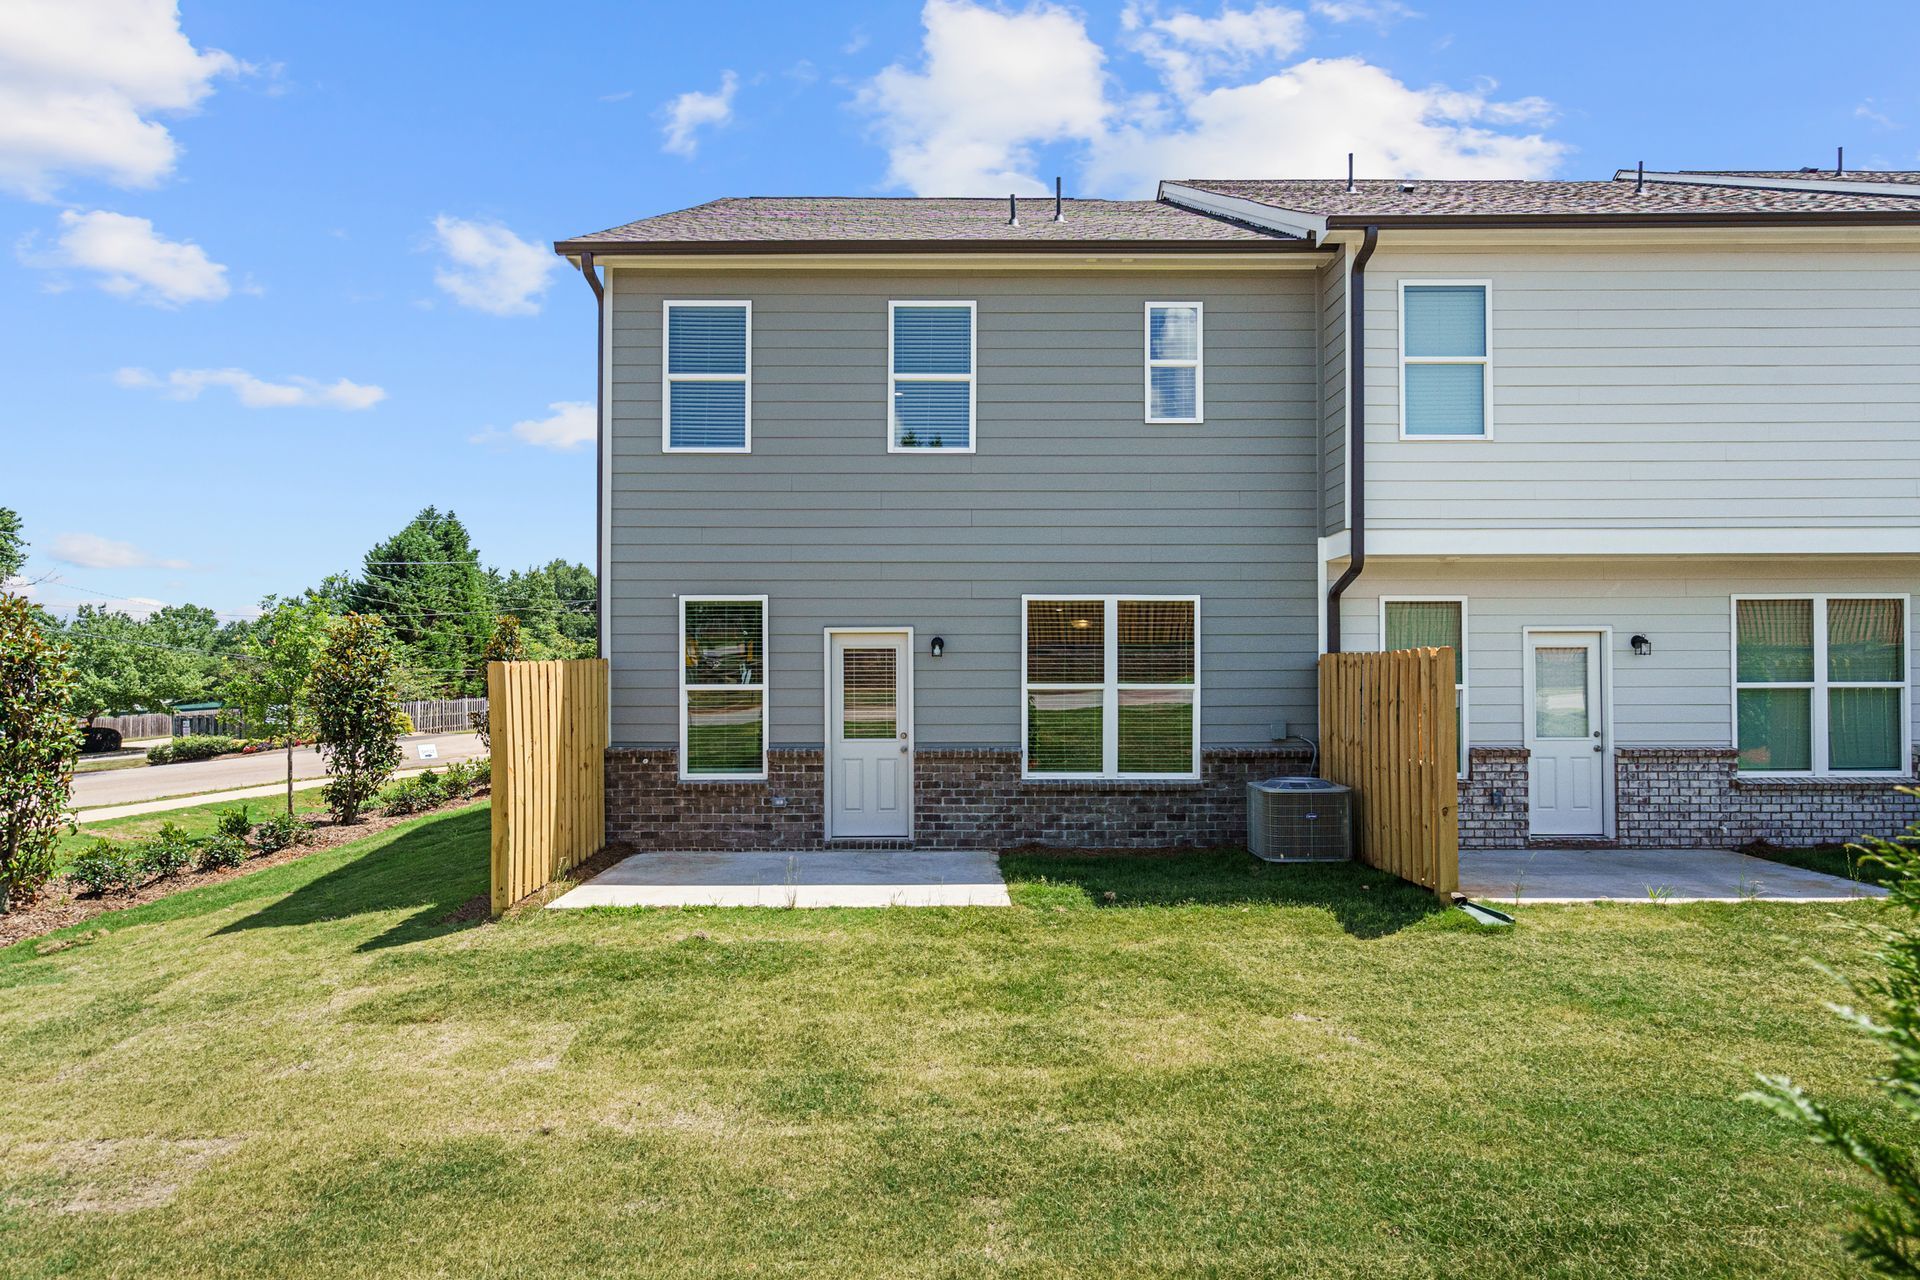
[
  {"x": 1664, "y": 387},
  {"x": 1681, "y": 694}
]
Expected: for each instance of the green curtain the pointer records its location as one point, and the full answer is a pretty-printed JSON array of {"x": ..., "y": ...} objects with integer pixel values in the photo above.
[
  {"x": 1425, "y": 624},
  {"x": 1865, "y": 640},
  {"x": 1774, "y": 641},
  {"x": 1776, "y": 730},
  {"x": 1863, "y": 728}
]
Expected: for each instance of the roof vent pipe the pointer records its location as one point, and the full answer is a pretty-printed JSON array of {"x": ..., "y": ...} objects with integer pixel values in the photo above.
[
  {"x": 1349, "y": 173},
  {"x": 1058, "y": 216},
  {"x": 1013, "y": 211},
  {"x": 1640, "y": 178},
  {"x": 1839, "y": 161}
]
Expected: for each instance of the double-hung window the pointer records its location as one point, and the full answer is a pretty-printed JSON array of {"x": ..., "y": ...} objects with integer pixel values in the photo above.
[
  {"x": 1175, "y": 381},
  {"x": 1446, "y": 365},
  {"x": 1433, "y": 623},
  {"x": 930, "y": 363},
  {"x": 1111, "y": 687},
  {"x": 1821, "y": 685},
  {"x": 706, "y": 381},
  {"x": 723, "y": 687}
]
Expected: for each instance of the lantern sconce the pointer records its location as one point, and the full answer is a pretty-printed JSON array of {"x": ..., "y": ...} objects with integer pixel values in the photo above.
[
  {"x": 1641, "y": 646},
  {"x": 939, "y": 646}
]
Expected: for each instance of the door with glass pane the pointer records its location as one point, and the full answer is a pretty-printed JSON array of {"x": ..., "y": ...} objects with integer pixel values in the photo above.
[
  {"x": 1568, "y": 755},
  {"x": 869, "y": 735}
]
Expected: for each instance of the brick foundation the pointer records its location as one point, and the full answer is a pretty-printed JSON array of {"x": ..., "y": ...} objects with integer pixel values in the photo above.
[
  {"x": 1689, "y": 798},
  {"x": 962, "y": 799}
]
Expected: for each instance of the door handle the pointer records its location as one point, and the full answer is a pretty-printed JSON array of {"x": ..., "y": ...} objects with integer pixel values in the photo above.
[{"x": 903, "y": 748}]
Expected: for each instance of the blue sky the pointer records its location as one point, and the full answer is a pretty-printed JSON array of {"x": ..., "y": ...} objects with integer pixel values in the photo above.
[{"x": 278, "y": 276}]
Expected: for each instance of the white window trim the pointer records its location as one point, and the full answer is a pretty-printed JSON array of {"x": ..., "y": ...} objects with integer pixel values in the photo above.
[
  {"x": 1820, "y": 685},
  {"x": 766, "y": 671},
  {"x": 1462, "y": 684},
  {"x": 668, "y": 379},
  {"x": 971, "y": 378},
  {"x": 1486, "y": 363},
  {"x": 1110, "y": 690},
  {"x": 1197, "y": 364}
]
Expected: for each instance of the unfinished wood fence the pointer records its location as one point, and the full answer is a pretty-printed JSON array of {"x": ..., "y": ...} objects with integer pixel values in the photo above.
[
  {"x": 548, "y": 724},
  {"x": 1388, "y": 730}
]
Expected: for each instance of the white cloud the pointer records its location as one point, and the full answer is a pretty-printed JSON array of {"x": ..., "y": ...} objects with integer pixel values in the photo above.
[
  {"x": 130, "y": 259},
  {"x": 1870, "y": 112},
  {"x": 1380, "y": 13},
  {"x": 693, "y": 111},
  {"x": 80, "y": 83},
  {"x": 570, "y": 424},
  {"x": 992, "y": 85},
  {"x": 91, "y": 551},
  {"x": 490, "y": 268},
  {"x": 1189, "y": 50},
  {"x": 255, "y": 393}
]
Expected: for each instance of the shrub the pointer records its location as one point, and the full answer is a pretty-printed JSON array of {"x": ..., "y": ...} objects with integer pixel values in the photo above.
[
  {"x": 235, "y": 822},
  {"x": 166, "y": 854},
  {"x": 482, "y": 770},
  {"x": 356, "y": 707},
  {"x": 281, "y": 831},
  {"x": 38, "y": 744},
  {"x": 461, "y": 777},
  {"x": 220, "y": 851},
  {"x": 201, "y": 746},
  {"x": 413, "y": 794},
  {"x": 105, "y": 867}
]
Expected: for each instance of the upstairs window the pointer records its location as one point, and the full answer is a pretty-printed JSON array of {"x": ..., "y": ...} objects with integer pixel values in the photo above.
[
  {"x": 706, "y": 384},
  {"x": 1433, "y": 624},
  {"x": 930, "y": 361},
  {"x": 1111, "y": 687},
  {"x": 1445, "y": 366},
  {"x": 1174, "y": 377},
  {"x": 1820, "y": 685},
  {"x": 723, "y": 688}
]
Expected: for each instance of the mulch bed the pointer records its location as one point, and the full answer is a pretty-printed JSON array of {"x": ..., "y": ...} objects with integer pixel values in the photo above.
[{"x": 63, "y": 903}]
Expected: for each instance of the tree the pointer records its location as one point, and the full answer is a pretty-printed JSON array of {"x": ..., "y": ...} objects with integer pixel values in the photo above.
[
  {"x": 121, "y": 665},
  {"x": 555, "y": 603},
  {"x": 1887, "y": 1238},
  {"x": 426, "y": 582},
  {"x": 504, "y": 645},
  {"x": 274, "y": 684},
  {"x": 13, "y": 547},
  {"x": 356, "y": 712},
  {"x": 38, "y": 745},
  {"x": 191, "y": 635}
]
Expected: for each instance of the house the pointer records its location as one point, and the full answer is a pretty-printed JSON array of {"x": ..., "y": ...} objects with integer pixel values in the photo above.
[{"x": 980, "y": 522}]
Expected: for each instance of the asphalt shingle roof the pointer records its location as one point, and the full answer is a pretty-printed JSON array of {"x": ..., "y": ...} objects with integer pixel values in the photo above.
[
  {"x": 1486, "y": 197},
  {"x": 773, "y": 221}
]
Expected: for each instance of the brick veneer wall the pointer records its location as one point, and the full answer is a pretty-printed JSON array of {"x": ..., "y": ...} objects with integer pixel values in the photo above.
[
  {"x": 1493, "y": 798},
  {"x": 971, "y": 798},
  {"x": 1690, "y": 798}
]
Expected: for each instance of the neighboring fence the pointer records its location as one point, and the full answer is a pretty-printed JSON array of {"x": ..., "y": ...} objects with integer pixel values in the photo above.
[
  {"x": 1388, "y": 730},
  {"x": 157, "y": 725},
  {"x": 448, "y": 715},
  {"x": 548, "y": 722}
]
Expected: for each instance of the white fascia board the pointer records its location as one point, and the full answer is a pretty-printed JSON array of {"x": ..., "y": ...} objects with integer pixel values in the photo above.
[
  {"x": 1862, "y": 541},
  {"x": 1838, "y": 185},
  {"x": 1239, "y": 208}
]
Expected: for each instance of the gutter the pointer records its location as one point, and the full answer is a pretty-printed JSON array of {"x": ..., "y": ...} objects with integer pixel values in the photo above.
[
  {"x": 1592, "y": 221},
  {"x": 1356, "y": 435},
  {"x": 599, "y": 450},
  {"x": 642, "y": 248}
]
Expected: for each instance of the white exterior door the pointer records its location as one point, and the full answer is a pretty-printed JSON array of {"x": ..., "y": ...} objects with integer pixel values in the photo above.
[
  {"x": 869, "y": 735},
  {"x": 1567, "y": 785}
]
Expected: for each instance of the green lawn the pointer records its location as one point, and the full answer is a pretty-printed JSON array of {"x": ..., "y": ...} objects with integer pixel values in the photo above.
[
  {"x": 1149, "y": 1067},
  {"x": 1833, "y": 859},
  {"x": 198, "y": 820}
]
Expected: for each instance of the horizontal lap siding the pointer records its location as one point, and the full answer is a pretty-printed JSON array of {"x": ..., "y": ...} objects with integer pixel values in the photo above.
[
  {"x": 1680, "y": 695},
  {"x": 1665, "y": 387},
  {"x": 1070, "y": 491},
  {"x": 1331, "y": 281}
]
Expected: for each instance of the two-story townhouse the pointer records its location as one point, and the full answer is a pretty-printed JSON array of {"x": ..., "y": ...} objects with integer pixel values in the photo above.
[{"x": 975, "y": 522}]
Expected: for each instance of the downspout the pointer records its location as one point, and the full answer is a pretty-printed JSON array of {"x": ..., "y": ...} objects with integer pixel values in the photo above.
[
  {"x": 599, "y": 446},
  {"x": 1356, "y": 436}
]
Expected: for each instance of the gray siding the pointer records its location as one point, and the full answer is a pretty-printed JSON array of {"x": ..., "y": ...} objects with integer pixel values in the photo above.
[
  {"x": 1331, "y": 283},
  {"x": 1070, "y": 490},
  {"x": 1657, "y": 386},
  {"x": 1681, "y": 693}
]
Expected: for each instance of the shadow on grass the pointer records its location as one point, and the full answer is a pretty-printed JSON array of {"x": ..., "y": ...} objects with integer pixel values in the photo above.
[
  {"x": 437, "y": 866},
  {"x": 1367, "y": 903}
]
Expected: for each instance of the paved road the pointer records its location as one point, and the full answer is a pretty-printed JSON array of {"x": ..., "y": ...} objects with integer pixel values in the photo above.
[{"x": 127, "y": 786}]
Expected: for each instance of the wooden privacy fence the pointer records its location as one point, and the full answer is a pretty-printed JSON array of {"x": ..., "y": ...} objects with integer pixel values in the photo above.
[
  {"x": 548, "y": 723},
  {"x": 1388, "y": 730}
]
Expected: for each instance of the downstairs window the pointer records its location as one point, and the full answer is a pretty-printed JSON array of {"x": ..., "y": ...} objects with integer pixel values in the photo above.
[
  {"x": 1111, "y": 687},
  {"x": 1821, "y": 685}
]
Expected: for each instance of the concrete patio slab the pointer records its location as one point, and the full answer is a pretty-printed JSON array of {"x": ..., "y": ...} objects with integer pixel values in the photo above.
[
  {"x": 1638, "y": 875},
  {"x": 829, "y": 878}
]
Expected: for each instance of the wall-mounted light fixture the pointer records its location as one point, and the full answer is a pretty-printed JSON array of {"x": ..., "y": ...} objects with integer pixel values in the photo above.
[
  {"x": 1641, "y": 646},
  {"x": 939, "y": 646}
]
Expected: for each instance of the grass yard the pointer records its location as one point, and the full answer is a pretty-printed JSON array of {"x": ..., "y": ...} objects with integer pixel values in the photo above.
[
  {"x": 197, "y": 820},
  {"x": 1832, "y": 859},
  {"x": 1148, "y": 1067}
]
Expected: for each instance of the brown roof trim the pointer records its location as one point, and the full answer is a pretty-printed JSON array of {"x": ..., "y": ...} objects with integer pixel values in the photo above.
[
  {"x": 617, "y": 248},
  {"x": 1822, "y": 218}
]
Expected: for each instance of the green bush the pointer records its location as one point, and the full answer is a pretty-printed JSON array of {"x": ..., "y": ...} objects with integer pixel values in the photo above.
[
  {"x": 203, "y": 746},
  {"x": 167, "y": 854},
  {"x": 105, "y": 867},
  {"x": 281, "y": 831},
  {"x": 38, "y": 742},
  {"x": 220, "y": 851},
  {"x": 237, "y": 823},
  {"x": 482, "y": 771},
  {"x": 461, "y": 777},
  {"x": 416, "y": 793}
]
